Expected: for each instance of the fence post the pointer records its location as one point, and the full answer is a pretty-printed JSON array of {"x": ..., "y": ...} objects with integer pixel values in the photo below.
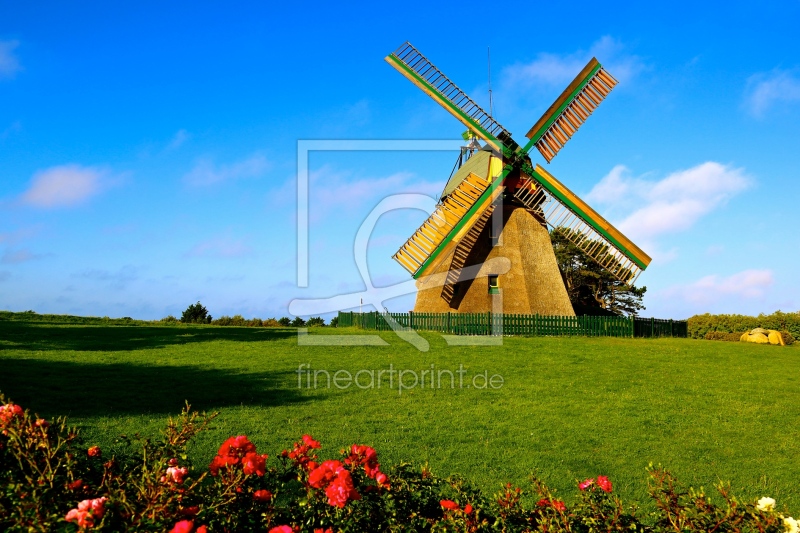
[
  {"x": 652, "y": 327},
  {"x": 448, "y": 323},
  {"x": 671, "y": 330},
  {"x": 411, "y": 320}
]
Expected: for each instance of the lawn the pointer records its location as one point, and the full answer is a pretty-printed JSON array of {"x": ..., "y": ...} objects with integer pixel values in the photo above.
[{"x": 568, "y": 408}]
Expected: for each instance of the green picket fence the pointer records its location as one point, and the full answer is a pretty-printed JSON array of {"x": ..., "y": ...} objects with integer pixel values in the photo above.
[{"x": 512, "y": 324}]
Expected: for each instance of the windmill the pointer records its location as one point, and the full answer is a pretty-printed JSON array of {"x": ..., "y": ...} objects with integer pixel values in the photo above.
[{"x": 500, "y": 180}]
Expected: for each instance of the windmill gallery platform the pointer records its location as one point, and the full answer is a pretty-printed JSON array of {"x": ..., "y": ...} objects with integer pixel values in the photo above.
[{"x": 497, "y": 209}]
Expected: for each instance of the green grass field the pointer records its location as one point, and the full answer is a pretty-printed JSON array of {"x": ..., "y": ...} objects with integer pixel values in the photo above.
[{"x": 569, "y": 408}]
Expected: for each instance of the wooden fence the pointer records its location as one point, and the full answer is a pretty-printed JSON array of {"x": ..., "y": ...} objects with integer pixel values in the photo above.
[{"x": 511, "y": 324}]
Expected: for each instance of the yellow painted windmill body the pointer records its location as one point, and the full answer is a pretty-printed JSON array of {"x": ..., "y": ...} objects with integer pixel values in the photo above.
[{"x": 460, "y": 234}]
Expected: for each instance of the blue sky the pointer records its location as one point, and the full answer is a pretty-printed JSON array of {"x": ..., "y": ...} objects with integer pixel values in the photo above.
[{"x": 148, "y": 154}]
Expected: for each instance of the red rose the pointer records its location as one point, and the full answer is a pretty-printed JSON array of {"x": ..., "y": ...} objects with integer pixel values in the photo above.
[
  {"x": 7, "y": 412},
  {"x": 254, "y": 464},
  {"x": 559, "y": 506},
  {"x": 586, "y": 484},
  {"x": 262, "y": 495},
  {"x": 94, "y": 451},
  {"x": 201, "y": 529},
  {"x": 75, "y": 485},
  {"x": 311, "y": 443},
  {"x": 468, "y": 509},
  {"x": 450, "y": 504},
  {"x": 184, "y": 526},
  {"x": 604, "y": 483},
  {"x": 281, "y": 529},
  {"x": 341, "y": 490},
  {"x": 324, "y": 474}
]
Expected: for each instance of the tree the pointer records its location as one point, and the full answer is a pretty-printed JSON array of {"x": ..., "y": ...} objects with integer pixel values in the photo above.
[
  {"x": 196, "y": 314},
  {"x": 592, "y": 289},
  {"x": 315, "y": 321},
  {"x": 298, "y": 322},
  {"x": 284, "y": 321}
]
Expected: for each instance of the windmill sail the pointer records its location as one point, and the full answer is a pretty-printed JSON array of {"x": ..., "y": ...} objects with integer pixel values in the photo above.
[
  {"x": 422, "y": 73},
  {"x": 571, "y": 109},
  {"x": 453, "y": 216},
  {"x": 583, "y": 226}
]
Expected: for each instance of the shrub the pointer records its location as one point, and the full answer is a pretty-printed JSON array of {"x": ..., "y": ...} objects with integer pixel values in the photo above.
[
  {"x": 315, "y": 321},
  {"x": 196, "y": 314},
  {"x": 50, "y": 481},
  {"x": 334, "y": 322},
  {"x": 788, "y": 338},
  {"x": 169, "y": 319},
  {"x": 699, "y": 325},
  {"x": 723, "y": 336},
  {"x": 271, "y": 323},
  {"x": 284, "y": 321},
  {"x": 224, "y": 320},
  {"x": 298, "y": 322}
]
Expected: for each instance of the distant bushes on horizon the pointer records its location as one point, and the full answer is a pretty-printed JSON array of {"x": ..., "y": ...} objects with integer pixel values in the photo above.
[{"x": 701, "y": 325}]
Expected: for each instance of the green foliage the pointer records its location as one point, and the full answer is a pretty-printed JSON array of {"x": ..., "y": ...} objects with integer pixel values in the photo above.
[
  {"x": 196, "y": 314},
  {"x": 284, "y": 321},
  {"x": 298, "y": 322},
  {"x": 788, "y": 338},
  {"x": 723, "y": 336},
  {"x": 50, "y": 481},
  {"x": 700, "y": 325},
  {"x": 169, "y": 319},
  {"x": 315, "y": 321},
  {"x": 592, "y": 289},
  {"x": 334, "y": 322}
]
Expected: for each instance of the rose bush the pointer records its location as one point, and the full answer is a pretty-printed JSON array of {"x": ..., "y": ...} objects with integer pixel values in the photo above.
[{"x": 50, "y": 481}]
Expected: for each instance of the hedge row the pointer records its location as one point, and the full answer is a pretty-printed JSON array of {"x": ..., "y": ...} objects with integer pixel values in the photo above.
[{"x": 700, "y": 325}]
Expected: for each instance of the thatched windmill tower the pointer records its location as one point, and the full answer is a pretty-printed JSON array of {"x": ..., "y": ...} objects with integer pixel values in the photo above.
[{"x": 498, "y": 205}]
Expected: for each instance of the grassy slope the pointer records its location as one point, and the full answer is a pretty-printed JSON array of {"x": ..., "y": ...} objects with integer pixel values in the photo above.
[{"x": 570, "y": 408}]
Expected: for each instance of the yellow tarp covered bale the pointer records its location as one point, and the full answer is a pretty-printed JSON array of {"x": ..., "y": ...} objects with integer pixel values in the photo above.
[
  {"x": 745, "y": 336},
  {"x": 775, "y": 338},
  {"x": 758, "y": 338}
]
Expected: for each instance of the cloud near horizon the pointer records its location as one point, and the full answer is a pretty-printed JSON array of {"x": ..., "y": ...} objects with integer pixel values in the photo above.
[
  {"x": 766, "y": 89},
  {"x": 670, "y": 205},
  {"x": 206, "y": 173},
  {"x": 65, "y": 186},
  {"x": 750, "y": 284},
  {"x": 9, "y": 64}
]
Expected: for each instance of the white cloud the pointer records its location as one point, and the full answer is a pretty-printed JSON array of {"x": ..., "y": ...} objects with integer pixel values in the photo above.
[
  {"x": 9, "y": 65},
  {"x": 766, "y": 89},
  {"x": 178, "y": 139},
  {"x": 672, "y": 204},
  {"x": 205, "y": 172},
  {"x": 65, "y": 185},
  {"x": 560, "y": 69},
  {"x": 223, "y": 247},
  {"x": 750, "y": 284}
]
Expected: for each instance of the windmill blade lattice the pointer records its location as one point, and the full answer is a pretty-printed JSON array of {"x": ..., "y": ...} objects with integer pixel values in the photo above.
[
  {"x": 419, "y": 248},
  {"x": 583, "y": 226},
  {"x": 571, "y": 109},
  {"x": 417, "y": 68}
]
